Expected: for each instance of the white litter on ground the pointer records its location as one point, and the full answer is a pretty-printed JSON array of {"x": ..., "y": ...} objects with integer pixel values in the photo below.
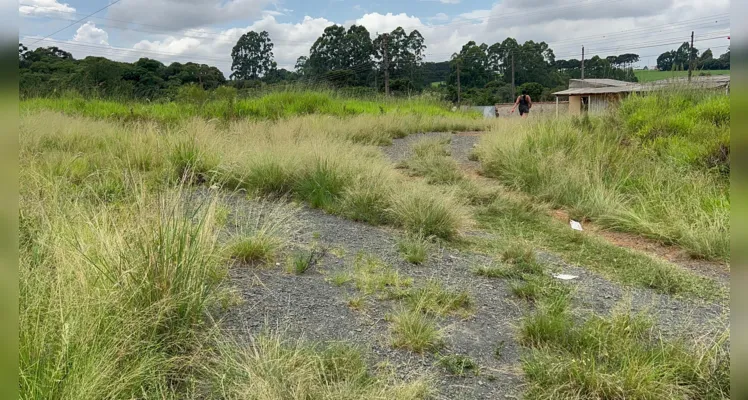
[
  {"x": 565, "y": 277},
  {"x": 575, "y": 225}
]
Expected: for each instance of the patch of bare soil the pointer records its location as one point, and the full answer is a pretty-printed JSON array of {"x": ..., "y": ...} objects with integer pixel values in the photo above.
[{"x": 653, "y": 248}]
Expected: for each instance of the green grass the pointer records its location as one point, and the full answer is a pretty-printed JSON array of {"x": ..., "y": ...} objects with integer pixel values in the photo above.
[
  {"x": 618, "y": 356},
  {"x": 517, "y": 220},
  {"x": 274, "y": 106},
  {"x": 653, "y": 75},
  {"x": 254, "y": 249},
  {"x": 122, "y": 262},
  {"x": 372, "y": 276},
  {"x": 274, "y": 368},
  {"x": 657, "y": 166}
]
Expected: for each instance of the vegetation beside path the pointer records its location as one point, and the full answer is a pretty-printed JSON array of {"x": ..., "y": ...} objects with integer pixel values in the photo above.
[{"x": 658, "y": 166}]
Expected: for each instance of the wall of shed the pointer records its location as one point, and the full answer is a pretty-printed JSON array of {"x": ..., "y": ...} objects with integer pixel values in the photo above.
[
  {"x": 598, "y": 104},
  {"x": 575, "y": 105}
]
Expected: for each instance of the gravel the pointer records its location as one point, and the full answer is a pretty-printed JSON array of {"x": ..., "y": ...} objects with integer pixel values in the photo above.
[{"x": 307, "y": 306}]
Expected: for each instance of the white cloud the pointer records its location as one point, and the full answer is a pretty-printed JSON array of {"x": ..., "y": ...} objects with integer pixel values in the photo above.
[
  {"x": 89, "y": 33},
  {"x": 182, "y": 14},
  {"x": 440, "y": 17},
  {"x": 44, "y": 8}
]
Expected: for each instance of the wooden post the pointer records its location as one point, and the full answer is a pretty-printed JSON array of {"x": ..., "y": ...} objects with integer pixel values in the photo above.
[
  {"x": 459, "y": 62},
  {"x": 556, "y": 106},
  {"x": 514, "y": 92},
  {"x": 690, "y": 59},
  {"x": 582, "y": 62},
  {"x": 386, "y": 65}
]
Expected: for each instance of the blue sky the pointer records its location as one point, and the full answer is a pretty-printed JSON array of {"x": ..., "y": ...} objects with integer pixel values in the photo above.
[{"x": 205, "y": 30}]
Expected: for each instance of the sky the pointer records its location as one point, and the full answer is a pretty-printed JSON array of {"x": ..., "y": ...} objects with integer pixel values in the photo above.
[{"x": 204, "y": 31}]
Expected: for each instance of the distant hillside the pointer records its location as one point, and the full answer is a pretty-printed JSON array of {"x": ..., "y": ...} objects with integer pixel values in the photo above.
[{"x": 652, "y": 75}]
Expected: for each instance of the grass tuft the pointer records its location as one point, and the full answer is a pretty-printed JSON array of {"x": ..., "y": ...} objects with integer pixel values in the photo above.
[
  {"x": 416, "y": 331},
  {"x": 434, "y": 298},
  {"x": 414, "y": 248}
]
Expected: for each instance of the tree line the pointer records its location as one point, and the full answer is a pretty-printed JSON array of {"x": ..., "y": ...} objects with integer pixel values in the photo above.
[
  {"x": 680, "y": 58},
  {"x": 349, "y": 59}
]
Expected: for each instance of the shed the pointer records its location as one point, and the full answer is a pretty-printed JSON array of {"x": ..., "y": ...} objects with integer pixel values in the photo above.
[{"x": 595, "y": 95}]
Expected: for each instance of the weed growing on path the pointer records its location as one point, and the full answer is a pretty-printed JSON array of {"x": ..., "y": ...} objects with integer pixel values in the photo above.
[
  {"x": 372, "y": 276},
  {"x": 458, "y": 364},
  {"x": 431, "y": 160},
  {"x": 414, "y": 247},
  {"x": 433, "y": 298},
  {"x": 415, "y": 331}
]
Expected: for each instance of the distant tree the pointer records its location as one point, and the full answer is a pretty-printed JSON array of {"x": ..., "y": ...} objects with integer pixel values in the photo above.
[
  {"x": 327, "y": 51},
  {"x": 533, "y": 89},
  {"x": 666, "y": 61},
  {"x": 300, "y": 66},
  {"x": 706, "y": 55},
  {"x": 252, "y": 56},
  {"x": 725, "y": 59}
]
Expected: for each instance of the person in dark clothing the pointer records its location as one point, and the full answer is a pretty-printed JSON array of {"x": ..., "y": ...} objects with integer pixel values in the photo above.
[{"x": 525, "y": 104}]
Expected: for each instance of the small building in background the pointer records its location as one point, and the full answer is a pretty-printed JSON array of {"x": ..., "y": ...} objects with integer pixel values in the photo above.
[{"x": 596, "y": 95}]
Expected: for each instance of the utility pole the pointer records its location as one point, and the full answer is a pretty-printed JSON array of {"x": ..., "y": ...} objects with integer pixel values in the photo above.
[
  {"x": 514, "y": 94},
  {"x": 386, "y": 65},
  {"x": 690, "y": 58},
  {"x": 459, "y": 62},
  {"x": 582, "y": 62}
]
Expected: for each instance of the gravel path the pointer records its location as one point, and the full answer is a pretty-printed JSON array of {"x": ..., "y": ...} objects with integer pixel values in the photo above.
[
  {"x": 308, "y": 306},
  {"x": 595, "y": 293}
]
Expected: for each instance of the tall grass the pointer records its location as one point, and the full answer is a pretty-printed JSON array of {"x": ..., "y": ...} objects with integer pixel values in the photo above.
[
  {"x": 302, "y": 158},
  {"x": 620, "y": 356},
  {"x": 274, "y": 106},
  {"x": 657, "y": 166},
  {"x": 121, "y": 279}
]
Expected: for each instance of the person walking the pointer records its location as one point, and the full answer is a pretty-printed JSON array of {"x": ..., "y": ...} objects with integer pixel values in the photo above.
[{"x": 525, "y": 104}]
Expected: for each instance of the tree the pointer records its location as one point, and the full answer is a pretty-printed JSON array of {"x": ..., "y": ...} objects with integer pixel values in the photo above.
[
  {"x": 405, "y": 53},
  {"x": 327, "y": 52},
  {"x": 725, "y": 59},
  {"x": 358, "y": 53},
  {"x": 252, "y": 56},
  {"x": 666, "y": 61}
]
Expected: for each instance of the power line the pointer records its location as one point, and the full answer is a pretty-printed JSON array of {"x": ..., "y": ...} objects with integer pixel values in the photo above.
[{"x": 87, "y": 16}]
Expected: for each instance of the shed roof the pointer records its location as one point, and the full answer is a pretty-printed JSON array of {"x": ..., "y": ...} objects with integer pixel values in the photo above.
[
  {"x": 700, "y": 82},
  {"x": 587, "y": 83}
]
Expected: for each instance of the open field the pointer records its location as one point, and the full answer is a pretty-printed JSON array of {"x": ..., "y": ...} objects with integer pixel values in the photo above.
[
  {"x": 652, "y": 75},
  {"x": 410, "y": 254},
  {"x": 226, "y": 106}
]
